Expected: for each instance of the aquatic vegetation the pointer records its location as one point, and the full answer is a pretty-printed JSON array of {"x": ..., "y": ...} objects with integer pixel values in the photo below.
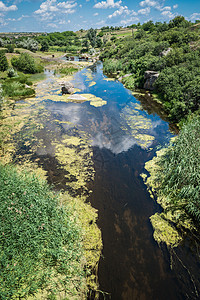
[
  {"x": 109, "y": 79},
  {"x": 74, "y": 155},
  {"x": 137, "y": 125},
  {"x": 164, "y": 232},
  {"x": 92, "y": 83}
]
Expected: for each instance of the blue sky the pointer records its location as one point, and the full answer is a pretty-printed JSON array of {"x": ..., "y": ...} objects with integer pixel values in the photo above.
[{"x": 61, "y": 15}]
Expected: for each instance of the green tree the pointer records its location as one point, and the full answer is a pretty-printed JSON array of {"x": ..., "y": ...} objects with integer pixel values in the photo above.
[
  {"x": 44, "y": 45},
  {"x": 92, "y": 34},
  {"x": 10, "y": 48},
  {"x": 3, "y": 62}
]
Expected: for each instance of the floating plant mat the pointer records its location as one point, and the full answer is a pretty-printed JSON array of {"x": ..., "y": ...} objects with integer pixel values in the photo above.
[{"x": 137, "y": 125}]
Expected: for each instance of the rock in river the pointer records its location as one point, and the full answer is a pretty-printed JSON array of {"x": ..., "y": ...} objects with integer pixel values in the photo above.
[
  {"x": 150, "y": 77},
  {"x": 67, "y": 87}
]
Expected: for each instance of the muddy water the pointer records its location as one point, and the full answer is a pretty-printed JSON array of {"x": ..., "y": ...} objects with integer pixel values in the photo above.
[{"x": 123, "y": 133}]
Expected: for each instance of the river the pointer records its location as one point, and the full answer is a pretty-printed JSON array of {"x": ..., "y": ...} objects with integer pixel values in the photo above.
[{"x": 124, "y": 133}]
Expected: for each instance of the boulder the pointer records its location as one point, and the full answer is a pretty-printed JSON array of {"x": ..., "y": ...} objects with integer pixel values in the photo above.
[
  {"x": 165, "y": 52},
  {"x": 150, "y": 77},
  {"x": 67, "y": 87}
]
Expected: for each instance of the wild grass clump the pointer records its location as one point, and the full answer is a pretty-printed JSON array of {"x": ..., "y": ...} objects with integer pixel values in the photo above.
[
  {"x": 68, "y": 70},
  {"x": 178, "y": 175},
  {"x": 112, "y": 66},
  {"x": 16, "y": 90},
  {"x": 40, "y": 244}
]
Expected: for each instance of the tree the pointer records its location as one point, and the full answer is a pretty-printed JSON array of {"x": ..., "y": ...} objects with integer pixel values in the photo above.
[
  {"x": 3, "y": 62},
  {"x": 85, "y": 44},
  {"x": 10, "y": 48},
  {"x": 99, "y": 42},
  {"x": 92, "y": 33},
  {"x": 44, "y": 45}
]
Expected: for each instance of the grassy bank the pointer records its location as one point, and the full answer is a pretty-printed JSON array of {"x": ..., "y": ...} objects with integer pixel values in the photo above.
[{"x": 174, "y": 178}]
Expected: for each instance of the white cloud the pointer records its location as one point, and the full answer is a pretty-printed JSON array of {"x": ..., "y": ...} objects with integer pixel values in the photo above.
[
  {"x": 51, "y": 8},
  {"x": 157, "y": 4},
  {"x": 129, "y": 21},
  {"x": 107, "y": 4},
  {"x": 195, "y": 16},
  {"x": 175, "y": 6},
  {"x": 52, "y": 25},
  {"x": 144, "y": 11},
  {"x": 166, "y": 8},
  {"x": 148, "y": 3},
  {"x": 123, "y": 10},
  {"x": 168, "y": 14},
  {"x": 96, "y": 14},
  {"x": 5, "y": 8}
]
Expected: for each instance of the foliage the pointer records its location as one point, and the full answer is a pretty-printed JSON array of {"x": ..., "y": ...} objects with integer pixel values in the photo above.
[
  {"x": 68, "y": 70},
  {"x": 178, "y": 175},
  {"x": 16, "y": 90},
  {"x": 10, "y": 48},
  {"x": 44, "y": 46},
  {"x": 28, "y": 43},
  {"x": 178, "y": 83},
  {"x": 40, "y": 242},
  {"x": 92, "y": 35},
  {"x": 26, "y": 64},
  {"x": 3, "y": 62},
  {"x": 12, "y": 72}
]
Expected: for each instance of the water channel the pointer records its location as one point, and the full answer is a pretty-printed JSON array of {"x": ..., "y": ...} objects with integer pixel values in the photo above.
[{"x": 124, "y": 133}]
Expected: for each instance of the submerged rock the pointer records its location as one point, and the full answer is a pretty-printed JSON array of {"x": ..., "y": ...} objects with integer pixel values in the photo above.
[{"x": 150, "y": 77}]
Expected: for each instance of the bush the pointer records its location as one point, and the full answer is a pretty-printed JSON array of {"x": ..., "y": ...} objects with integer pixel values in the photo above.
[
  {"x": 12, "y": 72},
  {"x": 26, "y": 64},
  {"x": 40, "y": 243},
  {"x": 10, "y": 48},
  {"x": 3, "y": 62}
]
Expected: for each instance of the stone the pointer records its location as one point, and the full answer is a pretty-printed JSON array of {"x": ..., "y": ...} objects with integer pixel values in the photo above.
[
  {"x": 67, "y": 87},
  {"x": 165, "y": 52},
  {"x": 150, "y": 77}
]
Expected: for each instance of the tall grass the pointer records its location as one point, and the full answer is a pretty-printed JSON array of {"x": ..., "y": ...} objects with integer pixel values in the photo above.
[
  {"x": 40, "y": 244},
  {"x": 179, "y": 175}
]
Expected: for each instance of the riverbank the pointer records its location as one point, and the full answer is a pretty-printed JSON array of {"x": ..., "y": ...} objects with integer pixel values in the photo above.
[{"x": 27, "y": 141}]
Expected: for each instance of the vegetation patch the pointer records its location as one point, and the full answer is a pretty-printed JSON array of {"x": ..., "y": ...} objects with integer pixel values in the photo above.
[
  {"x": 174, "y": 176},
  {"x": 40, "y": 243},
  {"x": 137, "y": 125}
]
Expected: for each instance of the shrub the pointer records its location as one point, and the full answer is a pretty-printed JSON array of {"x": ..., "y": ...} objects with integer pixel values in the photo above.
[
  {"x": 26, "y": 64},
  {"x": 40, "y": 243},
  {"x": 10, "y": 48},
  {"x": 3, "y": 62},
  {"x": 12, "y": 72}
]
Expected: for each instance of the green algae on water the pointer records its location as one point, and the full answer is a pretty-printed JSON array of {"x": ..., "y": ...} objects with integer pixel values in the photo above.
[{"x": 137, "y": 125}]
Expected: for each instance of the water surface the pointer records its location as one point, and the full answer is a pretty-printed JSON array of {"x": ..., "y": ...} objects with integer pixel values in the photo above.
[{"x": 124, "y": 133}]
